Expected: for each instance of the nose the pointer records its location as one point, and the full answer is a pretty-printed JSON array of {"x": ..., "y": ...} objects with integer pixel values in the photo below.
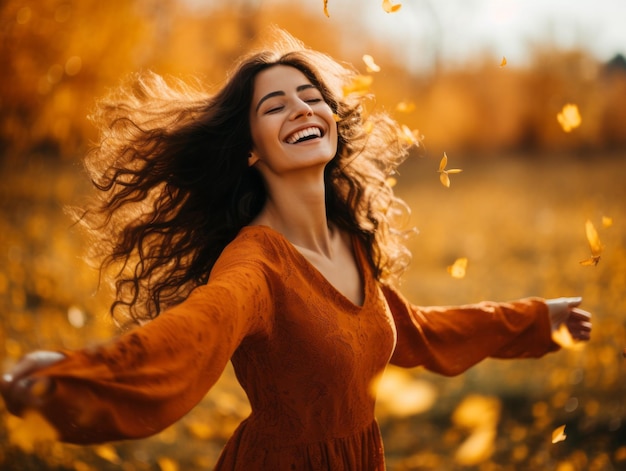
[{"x": 301, "y": 108}]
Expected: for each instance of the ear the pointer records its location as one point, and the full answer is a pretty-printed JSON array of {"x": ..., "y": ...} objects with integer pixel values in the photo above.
[{"x": 252, "y": 159}]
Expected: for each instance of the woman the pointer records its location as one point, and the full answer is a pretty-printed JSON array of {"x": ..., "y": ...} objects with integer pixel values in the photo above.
[{"x": 255, "y": 226}]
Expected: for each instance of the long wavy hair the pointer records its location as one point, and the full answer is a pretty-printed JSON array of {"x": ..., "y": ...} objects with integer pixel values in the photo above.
[{"x": 174, "y": 185}]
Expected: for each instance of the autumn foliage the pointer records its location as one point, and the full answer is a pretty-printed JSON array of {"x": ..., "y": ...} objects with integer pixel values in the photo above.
[{"x": 543, "y": 216}]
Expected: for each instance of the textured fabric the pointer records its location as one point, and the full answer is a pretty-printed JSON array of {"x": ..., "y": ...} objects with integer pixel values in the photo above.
[{"x": 305, "y": 355}]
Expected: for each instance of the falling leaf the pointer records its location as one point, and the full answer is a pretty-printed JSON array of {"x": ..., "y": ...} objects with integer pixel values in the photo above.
[
  {"x": 29, "y": 431},
  {"x": 336, "y": 117},
  {"x": 569, "y": 117},
  {"x": 370, "y": 65},
  {"x": 405, "y": 107},
  {"x": 478, "y": 447},
  {"x": 558, "y": 434},
  {"x": 411, "y": 137},
  {"x": 167, "y": 464},
  {"x": 458, "y": 268},
  {"x": 359, "y": 85},
  {"x": 564, "y": 339},
  {"x": 326, "y": 9},
  {"x": 594, "y": 244},
  {"x": 503, "y": 62},
  {"x": 108, "y": 453},
  {"x": 607, "y": 221},
  {"x": 481, "y": 415},
  {"x": 390, "y": 7},
  {"x": 443, "y": 173},
  {"x": 400, "y": 394},
  {"x": 391, "y": 182}
]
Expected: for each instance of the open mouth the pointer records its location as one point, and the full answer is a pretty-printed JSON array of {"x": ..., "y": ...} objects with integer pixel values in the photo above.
[{"x": 306, "y": 134}]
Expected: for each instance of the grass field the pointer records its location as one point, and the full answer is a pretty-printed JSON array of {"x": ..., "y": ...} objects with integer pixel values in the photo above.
[{"x": 520, "y": 221}]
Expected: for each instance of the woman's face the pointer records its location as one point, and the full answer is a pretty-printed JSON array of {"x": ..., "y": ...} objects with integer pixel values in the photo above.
[{"x": 292, "y": 127}]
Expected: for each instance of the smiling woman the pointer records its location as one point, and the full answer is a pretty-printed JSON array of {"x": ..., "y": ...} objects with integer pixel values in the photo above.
[{"x": 255, "y": 226}]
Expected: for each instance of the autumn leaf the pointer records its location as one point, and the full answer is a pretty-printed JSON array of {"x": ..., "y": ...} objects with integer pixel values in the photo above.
[
  {"x": 405, "y": 107},
  {"x": 558, "y": 434},
  {"x": 391, "y": 182},
  {"x": 108, "y": 453},
  {"x": 370, "y": 64},
  {"x": 167, "y": 464},
  {"x": 569, "y": 117},
  {"x": 326, "y": 9},
  {"x": 400, "y": 394},
  {"x": 458, "y": 268},
  {"x": 564, "y": 339},
  {"x": 607, "y": 221},
  {"x": 30, "y": 430},
  {"x": 503, "y": 62},
  {"x": 444, "y": 173},
  {"x": 594, "y": 244},
  {"x": 412, "y": 137},
  {"x": 390, "y": 7},
  {"x": 360, "y": 85}
]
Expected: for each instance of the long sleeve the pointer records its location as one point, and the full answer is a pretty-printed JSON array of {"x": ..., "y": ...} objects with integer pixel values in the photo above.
[
  {"x": 449, "y": 340},
  {"x": 148, "y": 378}
]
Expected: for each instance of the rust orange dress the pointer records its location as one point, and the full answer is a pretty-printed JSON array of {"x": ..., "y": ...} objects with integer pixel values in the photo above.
[{"x": 304, "y": 354}]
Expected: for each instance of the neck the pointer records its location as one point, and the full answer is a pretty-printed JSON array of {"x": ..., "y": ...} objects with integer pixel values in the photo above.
[{"x": 297, "y": 209}]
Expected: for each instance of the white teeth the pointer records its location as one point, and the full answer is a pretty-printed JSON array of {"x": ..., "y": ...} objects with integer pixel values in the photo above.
[{"x": 312, "y": 131}]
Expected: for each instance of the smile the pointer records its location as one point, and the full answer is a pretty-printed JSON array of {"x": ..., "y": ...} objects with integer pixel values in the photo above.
[{"x": 306, "y": 134}]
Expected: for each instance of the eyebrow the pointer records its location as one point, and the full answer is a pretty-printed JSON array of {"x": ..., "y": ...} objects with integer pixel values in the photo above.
[{"x": 282, "y": 93}]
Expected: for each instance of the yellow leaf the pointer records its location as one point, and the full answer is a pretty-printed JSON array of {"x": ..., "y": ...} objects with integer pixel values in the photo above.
[
  {"x": 359, "y": 85},
  {"x": 458, "y": 268},
  {"x": 563, "y": 338},
  {"x": 405, "y": 107},
  {"x": 569, "y": 117},
  {"x": 30, "y": 430},
  {"x": 445, "y": 179},
  {"x": 326, "y": 9},
  {"x": 400, "y": 394},
  {"x": 390, "y": 7},
  {"x": 167, "y": 464},
  {"x": 607, "y": 221},
  {"x": 411, "y": 137},
  {"x": 594, "y": 245},
  {"x": 558, "y": 434},
  {"x": 480, "y": 414},
  {"x": 108, "y": 453},
  {"x": 443, "y": 173},
  {"x": 443, "y": 162},
  {"x": 370, "y": 65},
  {"x": 391, "y": 182},
  {"x": 592, "y": 237},
  {"x": 478, "y": 447},
  {"x": 503, "y": 62}
]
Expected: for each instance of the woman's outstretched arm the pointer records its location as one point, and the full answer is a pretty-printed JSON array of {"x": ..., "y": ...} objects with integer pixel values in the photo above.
[
  {"x": 451, "y": 339},
  {"x": 148, "y": 378}
]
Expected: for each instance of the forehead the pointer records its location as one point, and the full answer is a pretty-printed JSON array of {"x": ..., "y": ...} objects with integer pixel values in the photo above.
[{"x": 278, "y": 78}]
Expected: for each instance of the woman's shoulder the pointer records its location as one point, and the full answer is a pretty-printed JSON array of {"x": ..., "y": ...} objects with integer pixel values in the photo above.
[{"x": 258, "y": 246}]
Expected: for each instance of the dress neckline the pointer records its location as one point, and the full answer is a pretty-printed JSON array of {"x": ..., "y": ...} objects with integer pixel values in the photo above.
[{"x": 358, "y": 257}]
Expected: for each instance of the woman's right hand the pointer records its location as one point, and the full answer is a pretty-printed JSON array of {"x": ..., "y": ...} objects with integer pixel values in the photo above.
[{"x": 21, "y": 391}]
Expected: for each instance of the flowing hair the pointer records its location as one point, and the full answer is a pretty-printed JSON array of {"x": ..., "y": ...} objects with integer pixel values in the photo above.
[{"x": 174, "y": 186}]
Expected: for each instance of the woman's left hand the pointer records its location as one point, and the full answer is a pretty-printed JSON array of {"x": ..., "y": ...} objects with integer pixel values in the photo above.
[{"x": 566, "y": 311}]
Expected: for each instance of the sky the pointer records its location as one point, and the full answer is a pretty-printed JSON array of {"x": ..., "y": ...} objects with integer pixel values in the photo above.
[
  {"x": 454, "y": 30},
  {"x": 423, "y": 32}
]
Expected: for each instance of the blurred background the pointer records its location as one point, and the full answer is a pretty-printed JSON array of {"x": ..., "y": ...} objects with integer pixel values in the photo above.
[{"x": 488, "y": 82}]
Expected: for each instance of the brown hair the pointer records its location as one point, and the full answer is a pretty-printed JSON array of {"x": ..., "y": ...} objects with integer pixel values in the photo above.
[{"x": 175, "y": 187}]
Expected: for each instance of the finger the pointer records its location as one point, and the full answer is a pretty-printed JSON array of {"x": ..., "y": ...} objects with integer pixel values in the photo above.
[
  {"x": 580, "y": 314},
  {"x": 574, "y": 301},
  {"x": 32, "y": 362}
]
